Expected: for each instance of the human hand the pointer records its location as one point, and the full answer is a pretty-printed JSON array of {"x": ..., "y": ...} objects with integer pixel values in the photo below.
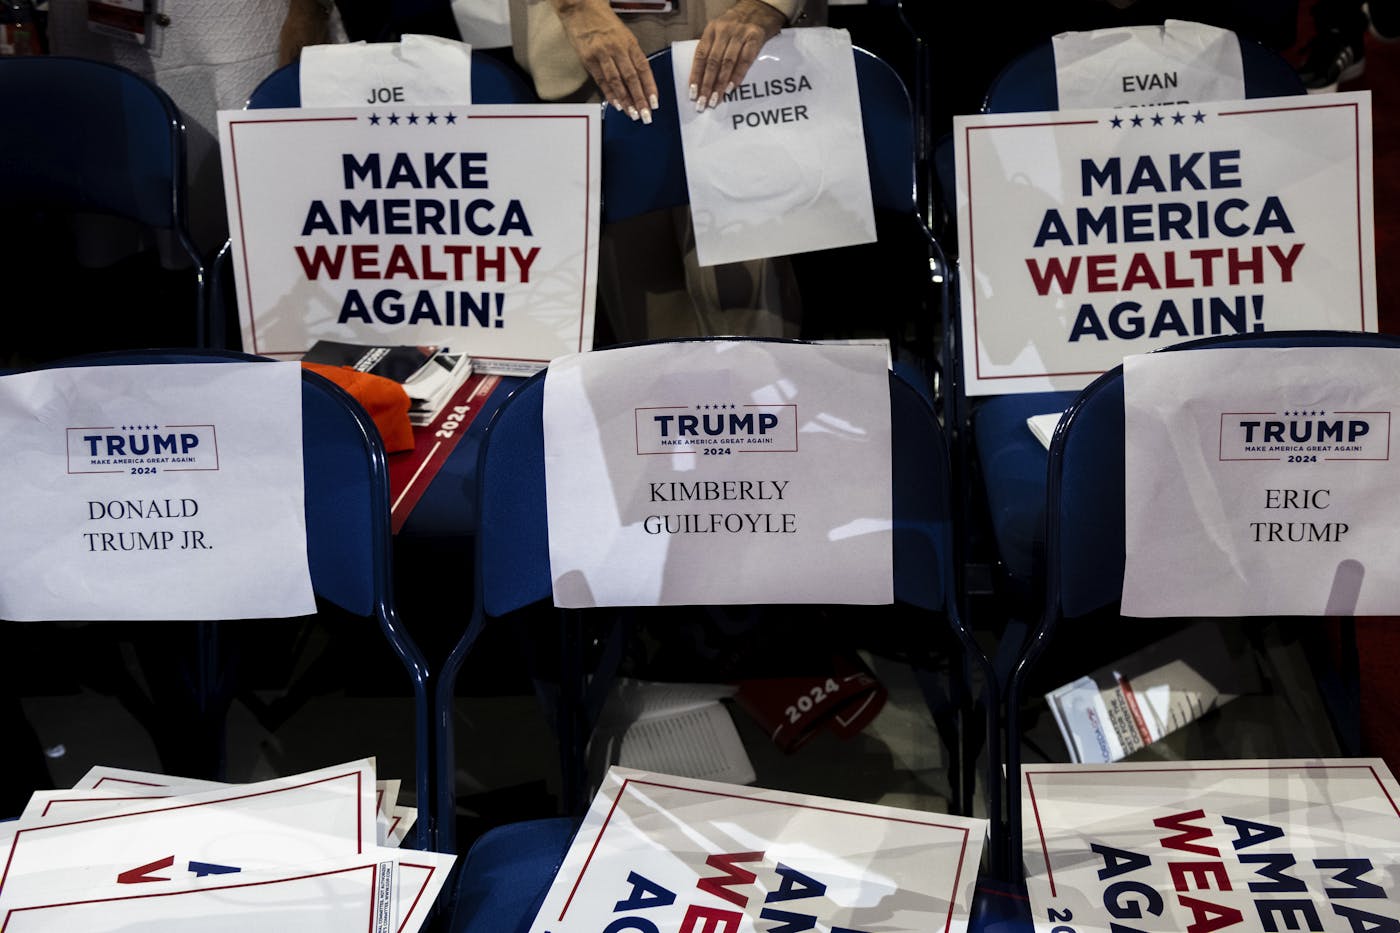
[
  {"x": 729, "y": 45},
  {"x": 611, "y": 55},
  {"x": 307, "y": 23}
]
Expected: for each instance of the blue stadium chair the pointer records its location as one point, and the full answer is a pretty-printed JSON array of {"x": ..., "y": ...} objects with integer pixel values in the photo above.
[
  {"x": 1084, "y": 537},
  {"x": 512, "y": 574},
  {"x": 990, "y": 441},
  {"x": 88, "y": 137},
  {"x": 348, "y": 543},
  {"x": 644, "y": 171}
]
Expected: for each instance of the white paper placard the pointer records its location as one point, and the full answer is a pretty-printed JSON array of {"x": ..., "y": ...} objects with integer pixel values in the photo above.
[
  {"x": 128, "y": 491},
  {"x": 1090, "y": 235},
  {"x": 1243, "y": 846},
  {"x": 417, "y": 70},
  {"x": 379, "y": 891},
  {"x": 294, "y": 820},
  {"x": 703, "y": 472},
  {"x": 474, "y": 228},
  {"x": 1131, "y": 66},
  {"x": 685, "y": 854},
  {"x": 779, "y": 166},
  {"x": 1260, "y": 482}
]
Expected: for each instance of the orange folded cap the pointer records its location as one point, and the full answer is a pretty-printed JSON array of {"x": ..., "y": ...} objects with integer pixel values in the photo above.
[{"x": 384, "y": 400}]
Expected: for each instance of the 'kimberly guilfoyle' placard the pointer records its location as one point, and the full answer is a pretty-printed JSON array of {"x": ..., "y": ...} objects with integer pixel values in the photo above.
[
  {"x": 719, "y": 472},
  {"x": 1088, "y": 235},
  {"x": 474, "y": 228}
]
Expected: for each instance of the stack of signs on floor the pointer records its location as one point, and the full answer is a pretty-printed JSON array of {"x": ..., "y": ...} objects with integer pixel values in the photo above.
[
  {"x": 1199, "y": 846},
  {"x": 126, "y": 850},
  {"x": 658, "y": 852}
]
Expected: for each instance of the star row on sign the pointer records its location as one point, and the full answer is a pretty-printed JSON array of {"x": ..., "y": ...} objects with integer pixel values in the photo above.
[
  {"x": 1157, "y": 119},
  {"x": 412, "y": 119}
]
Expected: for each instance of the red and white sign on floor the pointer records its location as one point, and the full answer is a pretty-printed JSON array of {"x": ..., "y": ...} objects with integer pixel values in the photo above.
[
  {"x": 1200, "y": 846},
  {"x": 663, "y": 852}
]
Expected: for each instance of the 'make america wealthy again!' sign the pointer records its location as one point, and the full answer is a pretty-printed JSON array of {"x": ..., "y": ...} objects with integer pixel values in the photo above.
[
  {"x": 474, "y": 228},
  {"x": 1088, "y": 235}
]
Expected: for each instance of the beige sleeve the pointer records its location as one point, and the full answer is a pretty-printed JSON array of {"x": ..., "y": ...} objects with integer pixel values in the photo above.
[{"x": 791, "y": 9}]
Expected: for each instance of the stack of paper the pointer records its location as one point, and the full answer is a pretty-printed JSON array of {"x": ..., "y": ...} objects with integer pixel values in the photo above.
[
  {"x": 124, "y": 850},
  {"x": 673, "y": 728}
]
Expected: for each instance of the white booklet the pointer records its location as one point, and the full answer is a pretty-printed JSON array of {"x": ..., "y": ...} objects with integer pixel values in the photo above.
[
  {"x": 662, "y": 852},
  {"x": 1253, "y": 846}
]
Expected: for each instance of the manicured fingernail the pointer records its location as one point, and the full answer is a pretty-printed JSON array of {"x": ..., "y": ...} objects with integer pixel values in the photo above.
[
  {"x": 729, "y": 88},
  {"x": 700, "y": 105},
  {"x": 693, "y": 91},
  {"x": 655, "y": 104},
  {"x": 714, "y": 99},
  {"x": 632, "y": 112},
  {"x": 646, "y": 116},
  {"x": 617, "y": 105}
]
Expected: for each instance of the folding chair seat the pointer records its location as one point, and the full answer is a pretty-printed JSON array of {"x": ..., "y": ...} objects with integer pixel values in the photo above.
[
  {"x": 513, "y": 575},
  {"x": 86, "y": 138},
  {"x": 1085, "y": 554},
  {"x": 644, "y": 171},
  {"x": 348, "y": 553}
]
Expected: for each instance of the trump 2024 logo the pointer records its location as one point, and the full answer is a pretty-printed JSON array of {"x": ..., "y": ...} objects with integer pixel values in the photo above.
[
  {"x": 716, "y": 428},
  {"x": 143, "y": 448},
  {"x": 1304, "y": 435}
]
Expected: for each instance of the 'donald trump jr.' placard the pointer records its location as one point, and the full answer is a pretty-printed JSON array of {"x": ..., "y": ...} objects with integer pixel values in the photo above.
[
  {"x": 1089, "y": 235},
  {"x": 153, "y": 492},
  {"x": 474, "y": 228}
]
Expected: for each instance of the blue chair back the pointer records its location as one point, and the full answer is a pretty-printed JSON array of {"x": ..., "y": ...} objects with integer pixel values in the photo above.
[
  {"x": 84, "y": 135},
  {"x": 348, "y": 536},
  {"x": 644, "y": 168},
  {"x": 492, "y": 83},
  {"x": 91, "y": 136}
]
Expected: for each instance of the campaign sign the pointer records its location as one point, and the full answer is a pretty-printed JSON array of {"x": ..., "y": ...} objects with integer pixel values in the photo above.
[
  {"x": 1260, "y": 481},
  {"x": 707, "y": 472},
  {"x": 129, "y": 489},
  {"x": 1204, "y": 846},
  {"x": 1090, "y": 235},
  {"x": 474, "y": 228},
  {"x": 659, "y": 852}
]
